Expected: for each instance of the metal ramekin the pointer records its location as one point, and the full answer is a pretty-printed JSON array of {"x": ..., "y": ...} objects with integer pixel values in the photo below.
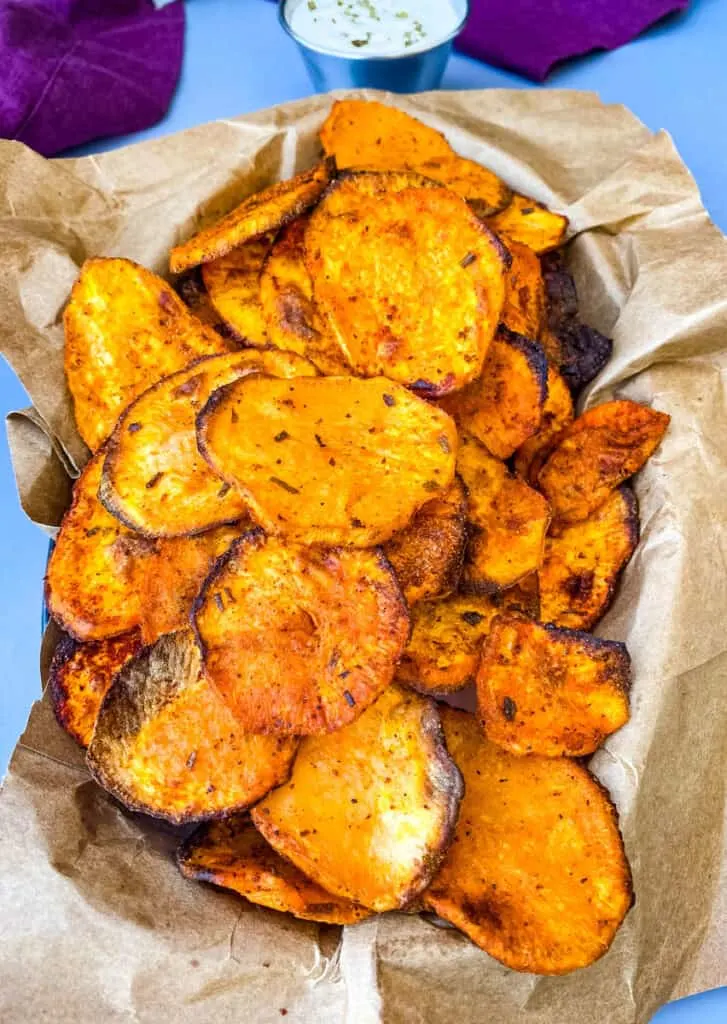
[{"x": 415, "y": 72}]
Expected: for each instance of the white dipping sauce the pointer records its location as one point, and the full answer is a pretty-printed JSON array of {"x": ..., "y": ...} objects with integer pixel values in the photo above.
[{"x": 372, "y": 28}]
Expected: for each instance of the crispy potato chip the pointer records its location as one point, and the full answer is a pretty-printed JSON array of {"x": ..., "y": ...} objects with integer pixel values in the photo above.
[
  {"x": 406, "y": 279},
  {"x": 542, "y": 690},
  {"x": 289, "y": 309},
  {"x": 527, "y": 221},
  {"x": 234, "y": 855},
  {"x": 446, "y": 637},
  {"x": 427, "y": 554},
  {"x": 550, "y": 344},
  {"x": 484, "y": 191},
  {"x": 523, "y": 597},
  {"x": 154, "y": 479},
  {"x": 582, "y": 563},
  {"x": 537, "y": 875},
  {"x": 300, "y": 640},
  {"x": 166, "y": 744},
  {"x": 329, "y": 460},
  {"x": 370, "y": 809},
  {"x": 174, "y": 573},
  {"x": 524, "y": 309},
  {"x": 504, "y": 406},
  {"x": 508, "y": 521},
  {"x": 364, "y": 133},
  {"x": 596, "y": 453},
  {"x": 255, "y": 216},
  {"x": 91, "y": 585},
  {"x": 80, "y": 675},
  {"x": 557, "y": 415},
  {"x": 191, "y": 290},
  {"x": 233, "y": 285},
  {"x": 125, "y": 328},
  {"x": 367, "y": 134}
]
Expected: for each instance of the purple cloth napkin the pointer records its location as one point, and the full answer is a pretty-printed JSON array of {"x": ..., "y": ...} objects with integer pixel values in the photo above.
[
  {"x": 76, "y": 70},
  {"x": 530, "y": 36}
]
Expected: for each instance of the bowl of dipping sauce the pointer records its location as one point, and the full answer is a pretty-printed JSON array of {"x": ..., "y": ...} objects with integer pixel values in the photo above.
[{"x": 399, "y": 45}]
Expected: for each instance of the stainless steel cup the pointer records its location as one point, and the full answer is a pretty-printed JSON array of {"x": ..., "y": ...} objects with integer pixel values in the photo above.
[{"x": 414, "y": 72}]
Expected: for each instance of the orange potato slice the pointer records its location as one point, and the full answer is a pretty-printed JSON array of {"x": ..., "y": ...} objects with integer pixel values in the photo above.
[
  {"x": 531, "y": 223},
  {"x": 407, "y": 279},
  {"x": 154, "y": 478},
  {"x": 255, "y": 216},
  {"x": 79, "y": 677},
  {"x": 328, "y": 460},
  {"x": 555, "y": 692},
  {"x": 427, "y": 554},
  {"x": 125, "y": 328},
  {"x": 92, "y": 579},
  {"x": 508, "y": 521},
  {"x": 536, "y": 875},
  {"x": 557, "y": 415},
  {"x": 300, "y": 640},
  {"x": 166, "y": 744},
  {"x": 233, "y": 855},
  {"x": 233, "y": 286},
  {"x": 504, "y": 406},
  {"x": 524, "y": 310},
  {"x": 291, "y": 316},
  {"x": 582, "y": 562},
  {"x": 369, "y": 809},
  {"x": 596, "y": 453}
]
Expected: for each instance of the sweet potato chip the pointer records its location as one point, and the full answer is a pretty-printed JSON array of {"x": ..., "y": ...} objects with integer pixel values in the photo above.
[
  {"x": 371, "y": 135},
  {"x": 191, "y": 290},
  {"x": 364, "y": 133},
  {"x": 427, "y": 554},
  {"x": 508, "y": 521},
  {"x": 255, "y": 216},
  {"x": 504, "y": 406},
  {"x": 125, "y": 328},
  {"x": 234, "y": 855},
  {"x": 174, "y": 573},
  {"x": 560, "y": 290},
  {"x": 407, "y": 279},
  {"x": 557, "y": 415},
  {"x": 536, "y": 875},
  {"x": 80, "y": 675},
  {"x": 446, "y": 637},
  {"x": 484, "y": 191},
  {"x": 166, "y": 744},
  {"x": 289, "y": 309},
  {"x": 370, "y": 809},
  {"x": 94, "y": 570},
  {"x": 527, "y": 221},
  {"x": 524, "y": 309},
  {"x": 329, "y": 460},
  {"x": 154, "y": 479},
  {"x": 233, "y": 285},
  {"x": 596, "y": 453},
  {"x": 300, "y": 640},
  {"x": 542, "y": 690},
  {"x": 550, "y": 344},
  {"x": 582, "y": 562}
]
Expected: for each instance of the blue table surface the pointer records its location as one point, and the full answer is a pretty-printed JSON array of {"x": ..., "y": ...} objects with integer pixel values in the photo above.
[{"x": 238, "y": 60}]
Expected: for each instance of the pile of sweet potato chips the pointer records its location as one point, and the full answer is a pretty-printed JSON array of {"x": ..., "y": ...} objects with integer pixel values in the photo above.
[{"x": 337, "y": 473}]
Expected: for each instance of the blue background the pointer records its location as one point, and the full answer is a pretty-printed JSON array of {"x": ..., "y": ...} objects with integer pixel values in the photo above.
[{"x": 237, "y": 60}]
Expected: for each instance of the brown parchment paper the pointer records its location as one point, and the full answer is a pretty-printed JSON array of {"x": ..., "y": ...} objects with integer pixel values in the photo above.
[{"x": 95, "y": 922}]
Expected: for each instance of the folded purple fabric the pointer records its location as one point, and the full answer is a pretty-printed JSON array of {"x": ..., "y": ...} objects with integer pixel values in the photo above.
[
  {"x": 76, "y": 70},
  {"x": 530, "y": 36}
]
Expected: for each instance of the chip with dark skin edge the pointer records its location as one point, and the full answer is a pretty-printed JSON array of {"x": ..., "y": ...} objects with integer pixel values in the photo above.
[
  {"x": 555, "y": 692},
  {"x": 166, "y": 744},
  {"x": 232, "y": 854},
  {"x": 370, "y": 809},
  {"x": 536, "y": 875}
]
